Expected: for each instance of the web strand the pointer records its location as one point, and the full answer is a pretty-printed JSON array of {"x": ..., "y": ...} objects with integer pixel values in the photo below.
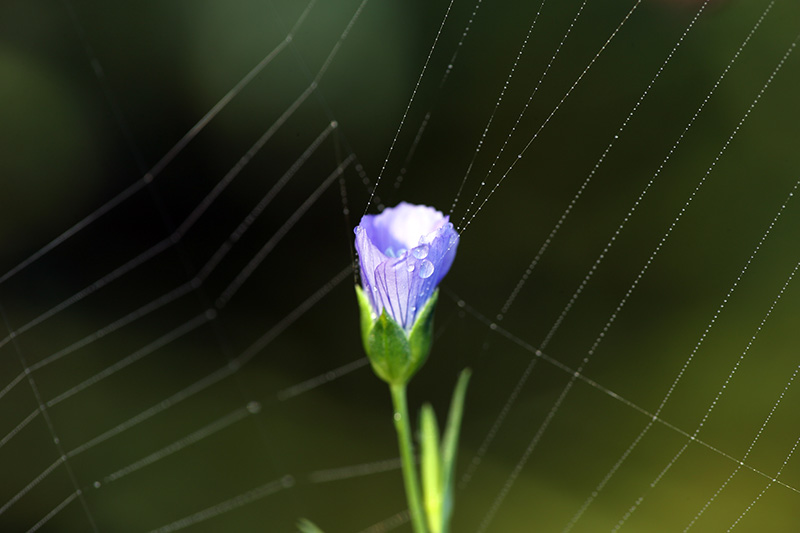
[
  {"x": 490, "y": 436},
  {"x": 580, "y": 77},
  {"x": 746, "y": 453},
  {"x": 767, "y": 487},
  {"x": 496, "y": 107},
  {"x": 259, "y": 257},
  {"x": 57, "y": 509},
  {"x": 165, "y": 244},
  {"x": 551, "y": 236},
  {"x": 62, "y": 458},
  {"x": 163, "y": 162},
  {"x": 188, "y": 392},
  {"x": 685, "y": 366},
  {"x": 691, "y": 438},
  {"x": 408, "y": 108},
  {"x": 388, "y": 524},
  {"x": 538, "y": 353},
  {"x": 258, "y": 493},
  {"x": 551, "y": 414},
  {"x": 426, "y": 119},
  {"x": 710, "y": 409},
  {"x": 265, "y": 407}
]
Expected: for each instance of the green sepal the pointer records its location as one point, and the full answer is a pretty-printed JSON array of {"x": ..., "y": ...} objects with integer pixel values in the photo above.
[
  {"x": 395, "y": 355},
  {"x": 421, "y": 336},
  {"x": 431, "y": 466},
  {"x": 389, "y": 351},
  {"x": 367, "y": 318}
]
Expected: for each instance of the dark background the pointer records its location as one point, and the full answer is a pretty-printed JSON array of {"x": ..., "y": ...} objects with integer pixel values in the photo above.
[{"x": 94, "y": 96}]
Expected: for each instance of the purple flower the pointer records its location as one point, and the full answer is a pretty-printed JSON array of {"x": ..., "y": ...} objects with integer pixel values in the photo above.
[{"x": 404, "y": 253}]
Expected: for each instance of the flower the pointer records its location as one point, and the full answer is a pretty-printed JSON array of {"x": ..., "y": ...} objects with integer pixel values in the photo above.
[{"x": 404, "y": 253}]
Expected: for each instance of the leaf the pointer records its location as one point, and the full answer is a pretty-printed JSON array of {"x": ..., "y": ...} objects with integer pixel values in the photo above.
[
  {"x": 450, "y": 443},
  {"x": 431, "y": 465},
  {"x": 365, "y": 310},
  {"x": 420, "y": 338},
  {"x": 388, "y": 350},
  {"x": 395, "y": 354}
]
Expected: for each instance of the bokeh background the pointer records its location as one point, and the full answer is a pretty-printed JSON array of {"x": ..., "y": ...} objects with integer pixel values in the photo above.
[{"x": 94, "y": 95}]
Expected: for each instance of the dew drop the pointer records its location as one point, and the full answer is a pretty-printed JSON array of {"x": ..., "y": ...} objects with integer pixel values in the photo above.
[
  {"x": 425, "y": 269},
  {"x": 410, "y": 267},
  {"x": 421, "y": 251}
]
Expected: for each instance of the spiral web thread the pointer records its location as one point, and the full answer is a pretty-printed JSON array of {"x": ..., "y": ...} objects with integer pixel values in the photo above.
[{"x": 235, "y": 361}]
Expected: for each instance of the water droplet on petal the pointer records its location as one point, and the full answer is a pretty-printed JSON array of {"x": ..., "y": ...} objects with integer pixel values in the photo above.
[
  {"x": 421, "y": 252},
  {"x": 410, "y": 267},
  {"x": 425, "y": 269}
]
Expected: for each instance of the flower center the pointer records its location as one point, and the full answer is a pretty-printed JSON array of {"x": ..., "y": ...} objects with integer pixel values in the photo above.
[{"x": 390, "y": 252}]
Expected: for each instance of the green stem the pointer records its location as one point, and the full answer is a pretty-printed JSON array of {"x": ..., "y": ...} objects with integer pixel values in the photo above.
[{"x": 403, "y": 427}]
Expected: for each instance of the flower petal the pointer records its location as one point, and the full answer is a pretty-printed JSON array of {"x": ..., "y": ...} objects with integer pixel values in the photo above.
[
  {"x": 369, "y": 257},
  {"x": 404, "y": 253},
  {"x": 397, "y": 290}
]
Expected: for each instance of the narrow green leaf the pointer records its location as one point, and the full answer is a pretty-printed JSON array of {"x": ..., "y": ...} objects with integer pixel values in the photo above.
[
  {"x": 431, "y": 463},
  {"x": 307, "y": 526},
  {"x": 450, "y": 444}
]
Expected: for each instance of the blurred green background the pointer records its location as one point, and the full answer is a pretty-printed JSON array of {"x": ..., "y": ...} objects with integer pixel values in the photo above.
[{"x": 94, "y": 95}]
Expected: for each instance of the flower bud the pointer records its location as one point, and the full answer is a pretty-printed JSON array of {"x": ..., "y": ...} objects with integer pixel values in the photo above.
[{"x": 403, "y": 254}]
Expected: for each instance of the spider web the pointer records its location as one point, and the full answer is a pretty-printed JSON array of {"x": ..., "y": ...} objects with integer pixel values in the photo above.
[{"x": 181, "y": 180}]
